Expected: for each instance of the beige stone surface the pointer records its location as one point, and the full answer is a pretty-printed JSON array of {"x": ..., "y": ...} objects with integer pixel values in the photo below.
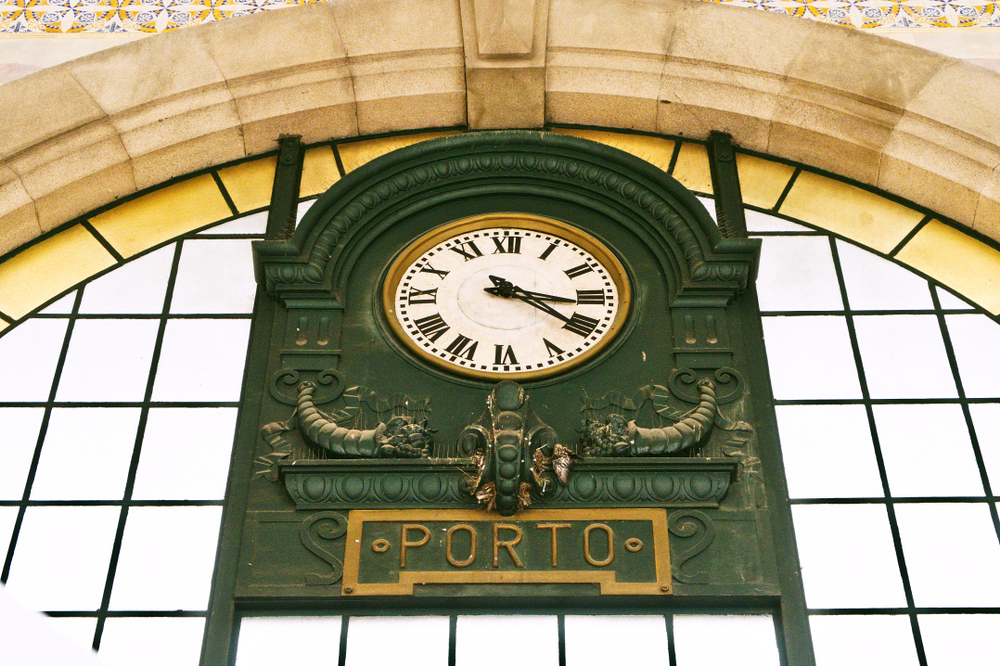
[
  {"x": 179, "y": 159},
  {"x": 963, "y": 97},
  {"x": 762, "y": 181},
  {"x": 46, "y": 269},
  {"x": 824, "y": 151},
  {"x": 987, "y": 219},
  {"x": 319, "y": 171},
  {"x": 625, "y": 26},
  {"x": 17, "y": 210},
  {"x": 249, "y": 184},
  {"x": 502, "y": 28},
  {"x": 369, "y": 27},
  {"x": 162, "y": 214},
  {"x": 79, "y": 197},
  {"x": 850, "y": 211},
  {"x": 506, "y": 97},
  {"x": 65, "y": 103},
  {"x": 959, "y": 261}
]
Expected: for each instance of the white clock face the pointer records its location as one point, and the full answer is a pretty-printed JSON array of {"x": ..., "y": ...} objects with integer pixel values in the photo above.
[{"x": 506, "y": 296}]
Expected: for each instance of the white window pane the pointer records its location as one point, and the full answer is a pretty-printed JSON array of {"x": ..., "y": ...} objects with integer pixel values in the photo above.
[
  {"x": 600, "y": 640},
  {"x": 214, "y": 276},
  {"x": 62, "y": 555},
  {"x": 712, "y": 640},
  {"x": 911, "y": 435},
  {"x": 171, "y": 435},
  {"x": 863, "y": 640},
  {"x": 249, "y": 224},
  {"x": 302, "y": 209},
  {"x": 267, "y": 641},
  {"x": 964, "y": 529},
  {"x": 17, "y": 447},
  {"x": 108, "y": 360},
  {"x": 77, "y": 630},
  {"x": 415, "y": 641},
  {"x": 810, "y": 358},
  {"x": 949, "y": 301},
  {"x": 985, "y": 419},
  {"x": 86, "y": 454},
  {"x": 797, "y": 273},
  {"x": 8, "y": 516},
  {"x": 537, "y": 639},
  {"x": 757, "y": 221},
  {"x": 137, "y": 287},
  {"x": 833, "y": 573},
  {"x": 976, "y": 340},
  {"x": 32, "y": 639},
  {"x": 825, "y": 461},
  {"x": 152, "y": 641},
  {"x": 63, "y": 306},
  {"x": 904, "y": 357},
  {"x": 30, "y": 352},
  {"x": 959, "y": 639},
  {"x": 709, "y": 205},
  {"x": 874, "y": 283},
  {"x": 202, "y": 360},
  {"x": 167, "y": 558}
]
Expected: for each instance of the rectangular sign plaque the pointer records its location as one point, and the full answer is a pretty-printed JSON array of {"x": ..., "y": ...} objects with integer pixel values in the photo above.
[{"x": 624, "y": 551}]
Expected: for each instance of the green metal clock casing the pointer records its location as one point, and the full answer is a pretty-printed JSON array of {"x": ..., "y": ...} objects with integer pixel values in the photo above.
[{"x": 506, "y": 296}]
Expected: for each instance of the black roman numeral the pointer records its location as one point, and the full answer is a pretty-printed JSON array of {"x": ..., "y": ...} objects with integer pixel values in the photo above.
[
  {"x": 551, "y": 348},
  {"x": 507, "y": 245},
  {"x": 430, "y": 269},
  {"x": 580, "y": 324},
  {"x": 590, "y": 297},
  {"x": 504, "y": 355},
  {"x": 432, "y": 326},
  {"x": 545, "y": 255},
  {"x": 577, "y": 271},
  {"x": 461, "y": 346},
  {"x": 421, "y": 296},
  {"x": 471, "y": 253}
]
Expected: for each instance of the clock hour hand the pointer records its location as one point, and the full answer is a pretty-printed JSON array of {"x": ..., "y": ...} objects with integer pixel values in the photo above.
[{"x": 507, "y": 289}]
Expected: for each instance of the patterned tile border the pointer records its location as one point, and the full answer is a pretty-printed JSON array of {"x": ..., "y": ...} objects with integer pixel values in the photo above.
[{"x": 153, "y": 16}]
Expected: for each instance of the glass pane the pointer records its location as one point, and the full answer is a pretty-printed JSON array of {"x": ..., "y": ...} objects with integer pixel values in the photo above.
[
  {"x": 63, "y": 306},
  {"x": 302, "y": 210},
  {"x": 825, "y": 461},
  {"x": 959, "y": 639},
  {"x": 949, "y": 301},
  {"x": 797, "y": 273},
  {"x": 709, "y": 205},
  {"x": 86, "y": 454},
  {"x": 137, "y": 287},
  {"x": 78, "y": 630},
  {"x": 874, "y": 283},
  {"x": 251, "y": 224},
  {"x": 834, "y": 573},
  {"x": 537, "y": 639},
  {"x": 971, "y": 337},
  {"x": 173, "y": 435},
  {"x": 202, "y": 360},
  {"x": 863, "y": 640},
  {"x": 61, "y": 558},
  {"x": 757, "y": 221},
  {"x": 108, "y": 360},
  {"x": 800, "y": 350},
  {"x": 152, "y": 641},
  {"x": 30, "y": 352},
  {"x": 711, "y": 640},
  {"x": 267, "y": 641},
  {"x": 912, "y": 435},
  {"x": 214, "y": 276},
  {"x": 416, "y": 641},
  {"x": 930, "y": 532},
  {"x": 986, "y": 419},
  {"x": 32, "y": 639},
  {"x": 601, "y": 640},
  {"x": 17, "y": 447},
  {"x": 903, "y": 357},
  {"x": 8, "y": 516},
  {"x": 167, "y": 557}
]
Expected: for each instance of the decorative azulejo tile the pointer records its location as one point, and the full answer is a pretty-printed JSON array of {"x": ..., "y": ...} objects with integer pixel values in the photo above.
[{"x": 151, "y": 16}]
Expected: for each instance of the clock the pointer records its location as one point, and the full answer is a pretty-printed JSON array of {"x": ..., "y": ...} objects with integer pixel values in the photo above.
[{"x": 506, "y": 296}]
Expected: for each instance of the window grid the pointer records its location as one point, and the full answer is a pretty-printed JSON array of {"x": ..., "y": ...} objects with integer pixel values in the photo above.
[
  {"x": 911, "y": 610},
  {"x": 105, "y": 609}
]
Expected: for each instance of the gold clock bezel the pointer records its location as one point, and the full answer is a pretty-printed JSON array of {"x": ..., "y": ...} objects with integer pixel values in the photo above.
[{"x": 534, "y": 223}]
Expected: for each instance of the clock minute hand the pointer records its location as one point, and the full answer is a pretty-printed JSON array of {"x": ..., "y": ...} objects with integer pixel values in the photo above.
[
  {"x": 544, "y": 297},
  {"x": 544, "y": 307},
  {"x": 508, "y": 289}
]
